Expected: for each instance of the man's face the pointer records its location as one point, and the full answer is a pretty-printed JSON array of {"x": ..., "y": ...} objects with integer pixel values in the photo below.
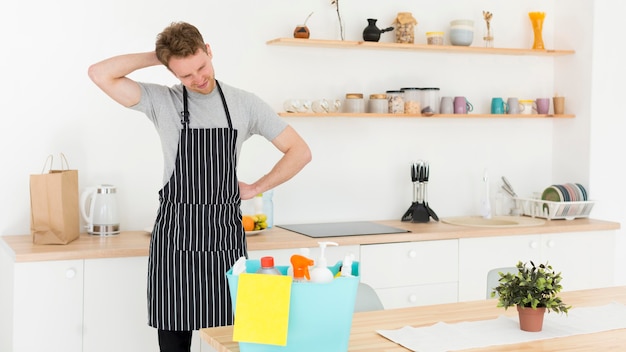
[{"x": 195, "y": 72}]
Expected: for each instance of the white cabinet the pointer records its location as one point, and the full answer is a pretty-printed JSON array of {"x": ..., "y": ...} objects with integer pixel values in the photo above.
[
  {"x": 47, "y": 307},
  {"x": 412, "y": 273},
  {"x": 115, "y": 306},
  {"x": 584, "y": 258}
]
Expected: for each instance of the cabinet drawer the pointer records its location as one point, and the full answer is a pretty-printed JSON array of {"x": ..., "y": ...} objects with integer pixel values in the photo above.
[
  {"x": 420, "y": 295},
  {"x": 409, "y": 263}
]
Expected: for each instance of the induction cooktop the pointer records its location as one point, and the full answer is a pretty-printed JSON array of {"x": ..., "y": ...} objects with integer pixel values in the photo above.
[{"x": 339, "y": 229}]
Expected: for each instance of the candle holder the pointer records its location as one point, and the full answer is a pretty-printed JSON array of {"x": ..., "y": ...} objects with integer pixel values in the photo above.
[{"x": 536, "y": 19}]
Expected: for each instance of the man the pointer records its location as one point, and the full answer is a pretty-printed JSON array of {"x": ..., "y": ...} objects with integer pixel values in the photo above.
[{"x": 202, "y": 124}]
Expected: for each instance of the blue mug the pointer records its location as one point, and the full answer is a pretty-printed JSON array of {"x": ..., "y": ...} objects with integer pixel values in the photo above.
[{"x": 498, "y": 106}]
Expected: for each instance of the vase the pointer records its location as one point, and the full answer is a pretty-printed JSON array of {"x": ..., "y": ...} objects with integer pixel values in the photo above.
[
  {"x": 531, "y": 319},
  {"x": 301, "y": 32},
  {"x": 536, "y": 19}
]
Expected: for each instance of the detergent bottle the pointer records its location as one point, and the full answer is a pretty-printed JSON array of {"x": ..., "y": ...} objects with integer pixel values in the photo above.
[{"x": 321, "y": 273}]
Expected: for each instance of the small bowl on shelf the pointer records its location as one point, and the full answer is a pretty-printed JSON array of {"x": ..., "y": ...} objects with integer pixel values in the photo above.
[{"x": 461, "y": 32}]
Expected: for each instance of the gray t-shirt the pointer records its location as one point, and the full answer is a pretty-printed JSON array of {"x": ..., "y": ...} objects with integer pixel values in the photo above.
[{"x": 163, "y": 105}]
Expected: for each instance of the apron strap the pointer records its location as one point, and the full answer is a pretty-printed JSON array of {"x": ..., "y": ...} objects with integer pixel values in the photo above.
[
  {"x": 185, "y": 112},
  {"x": 230, "y": 124}
]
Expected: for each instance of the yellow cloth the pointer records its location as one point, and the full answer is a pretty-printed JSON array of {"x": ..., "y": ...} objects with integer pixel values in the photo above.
[{"x": 262, "y": 309}]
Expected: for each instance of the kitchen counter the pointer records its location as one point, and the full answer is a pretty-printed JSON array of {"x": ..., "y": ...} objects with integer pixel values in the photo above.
[{"x": 135, "y": 243}]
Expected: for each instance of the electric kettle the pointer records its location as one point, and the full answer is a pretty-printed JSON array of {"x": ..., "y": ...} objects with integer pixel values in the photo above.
[{"x": 98, "y": 207}]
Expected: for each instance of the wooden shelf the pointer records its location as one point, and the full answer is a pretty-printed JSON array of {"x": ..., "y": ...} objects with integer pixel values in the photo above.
[
  {"x": 416, "y": 47},
  {"x": 465, "y": 116}
]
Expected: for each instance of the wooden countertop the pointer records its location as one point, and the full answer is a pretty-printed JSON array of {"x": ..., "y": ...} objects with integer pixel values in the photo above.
[
  {"x": 364, "y": 337},
  {"x": 135, "y": 243}
]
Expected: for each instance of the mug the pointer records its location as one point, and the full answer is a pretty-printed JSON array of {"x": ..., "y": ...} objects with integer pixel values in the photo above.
[
  {"x": 498, "y": 106},
  {"x": 326, "y": 105},
  {"x": 514, "y": 106},
  {"x": 462, "y": 106},
  {"x": 527, "y": 106},
  {"x": 542, "y": 105},
  {"x": 297, "y": 105},
  {"x": 559, "y": 105},
  {"x": 446, "y": 106}
]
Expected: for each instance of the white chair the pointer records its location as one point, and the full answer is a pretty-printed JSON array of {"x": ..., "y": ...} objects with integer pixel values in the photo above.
[
  {"x": 493, "y": 277},
  {"x": 367, "y": 299}
]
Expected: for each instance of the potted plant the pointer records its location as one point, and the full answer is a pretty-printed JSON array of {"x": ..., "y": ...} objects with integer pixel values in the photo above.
[{"x": 533, "y": 289}]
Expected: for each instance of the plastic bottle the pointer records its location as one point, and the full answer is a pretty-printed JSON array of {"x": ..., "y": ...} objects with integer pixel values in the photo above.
[
  {"x": 267, "y": 267},
  {"x": 305, "y": 252},
  {"x": 346, "y": 266},
  {"x": 321, "y": 273},
  {"x": 301, "y": 268},
  {"x": 268, "y": 207}
]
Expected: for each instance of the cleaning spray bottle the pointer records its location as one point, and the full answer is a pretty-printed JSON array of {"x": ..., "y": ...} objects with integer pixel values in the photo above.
[
  {"x": 301, "y": 268},
  {"x": 346, "y": 265},
  {"x": 305, "y": 252},
  {"x": 321, "y": 273}
]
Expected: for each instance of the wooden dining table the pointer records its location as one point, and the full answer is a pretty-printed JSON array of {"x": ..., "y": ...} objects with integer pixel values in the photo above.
[{"x": 363, "y": 336}]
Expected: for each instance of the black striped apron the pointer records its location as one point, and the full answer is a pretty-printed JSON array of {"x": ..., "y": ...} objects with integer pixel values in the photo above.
[{"x": 197, "y": 234}]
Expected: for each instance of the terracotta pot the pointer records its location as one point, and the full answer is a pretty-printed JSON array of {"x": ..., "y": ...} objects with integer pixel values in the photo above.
[
  {"x": 531, "y": 319},
  {"x": 301, "y": 32}
]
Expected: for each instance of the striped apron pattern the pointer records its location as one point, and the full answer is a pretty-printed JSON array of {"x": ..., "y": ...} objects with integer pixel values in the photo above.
[{"x": 197, "y": 234}]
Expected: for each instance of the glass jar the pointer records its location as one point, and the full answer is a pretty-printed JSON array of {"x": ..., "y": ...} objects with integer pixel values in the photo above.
[
  {"x": 434, "y": 38},
  {"x": 395, "y": 102},
  {"x": 405, "y": 27},
  {"x": 412, "y": 101},
  {"x": 354, "y": 103},
  {"x": 378, "y": 104},
  {"x": 430, "y": 101}
]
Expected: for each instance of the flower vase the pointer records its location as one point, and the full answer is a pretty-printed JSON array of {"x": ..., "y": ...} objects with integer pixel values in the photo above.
[
  {"x": 488, "y": 37},
  {"x": 536, "y": 19}
]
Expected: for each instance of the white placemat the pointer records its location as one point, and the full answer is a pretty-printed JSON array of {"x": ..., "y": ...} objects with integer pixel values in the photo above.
[{"x": 505, "y": 330}]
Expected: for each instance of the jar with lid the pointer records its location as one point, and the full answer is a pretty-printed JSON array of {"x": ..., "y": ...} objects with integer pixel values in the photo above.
[
  {"x": 354, "y": 103},
  {"x": 405, "y": 27},
  {"x": 395, "y": 102},
  {"x": 430, "y": 101},
  {"x": 378, "y": 104},
  {"x": 412, "y": 101},
  {"x": 434, "y": 38}
]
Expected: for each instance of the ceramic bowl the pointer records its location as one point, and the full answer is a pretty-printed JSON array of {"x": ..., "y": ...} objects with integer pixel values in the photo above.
[{"x": 459, "y": 35}]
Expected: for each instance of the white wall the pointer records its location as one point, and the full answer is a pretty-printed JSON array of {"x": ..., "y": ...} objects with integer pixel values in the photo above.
[{"x": 360, "y": 166}]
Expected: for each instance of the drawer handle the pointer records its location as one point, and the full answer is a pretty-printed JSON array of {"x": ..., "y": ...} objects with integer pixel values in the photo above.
[
  {"x": 412, "y": 253},
  {"x": 413, "y": 298},
  {"x": 551, "y": 243},
  {"x": 533, "y": 244},
  {"x": 70, "y": 273}
]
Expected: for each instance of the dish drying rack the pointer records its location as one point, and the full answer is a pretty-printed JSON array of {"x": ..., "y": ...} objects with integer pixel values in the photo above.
[{"x": 554, "y": 210}]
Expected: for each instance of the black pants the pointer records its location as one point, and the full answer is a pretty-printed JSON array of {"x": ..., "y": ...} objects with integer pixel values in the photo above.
[{"x": 174, "y": 341}]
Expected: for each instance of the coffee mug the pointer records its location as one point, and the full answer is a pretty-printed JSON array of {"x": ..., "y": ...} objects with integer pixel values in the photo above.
[
  {"x": 514, "y": 106},
  {"x": 528, "y": 106},
  {"x": 559, "y": 105},
  {"x": 446, "y": 106},
  {"x": 326, "y": 105},
  {"x": 297, "y": 105},
  {"x": 498, "y": 106},
  {"x": 462, "y": 106},
  {"x": 542, "y": 105}
]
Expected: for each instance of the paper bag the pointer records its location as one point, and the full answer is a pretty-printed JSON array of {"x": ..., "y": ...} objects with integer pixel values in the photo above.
[{"x": 54, "y": 205}]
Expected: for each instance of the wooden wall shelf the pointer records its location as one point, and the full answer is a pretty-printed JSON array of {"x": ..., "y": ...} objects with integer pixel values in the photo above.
[
  {"x": 463, "y": 116},
  {"x": 415, "y": 47}
]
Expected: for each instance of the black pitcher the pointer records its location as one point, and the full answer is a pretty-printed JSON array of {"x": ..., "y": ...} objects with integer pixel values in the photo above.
[{"x": 371, "y": 33}]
